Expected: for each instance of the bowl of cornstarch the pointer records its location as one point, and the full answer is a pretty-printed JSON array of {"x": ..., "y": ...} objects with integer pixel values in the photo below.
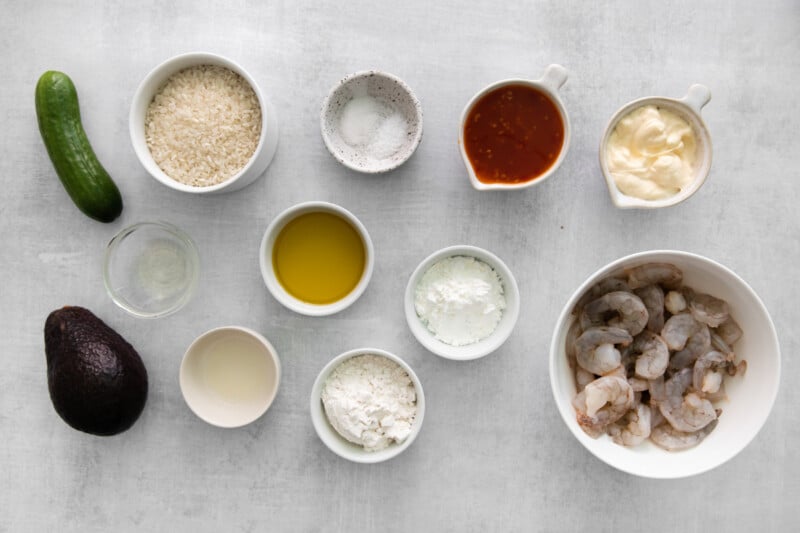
[
  {"x": 371, "y": 122},
  {"x": 462, "y": 302},
  {"x": 367, "y": 405}
]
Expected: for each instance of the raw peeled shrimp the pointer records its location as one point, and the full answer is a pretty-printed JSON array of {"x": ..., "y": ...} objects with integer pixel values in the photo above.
[
  {"x": 678, "y": 329},
  {"x": 653, "y": 299},
  {"x": 669, "y": 438},
  {"x": 654, "y": 355},
  {"x": 638, "y": 384},
  {"x": 604, "y": 286},
  {"x": 706, "y": 376},
  {"x": 717, "y": 396},
  {"x": 633, "y": 428},
  {"x": 697, "y": 345},
  {"x": 628, "y": 309},
  {"x": 602, "y": 402},
  {"x": 685, "y": 413},
  {"x": 707, "y": 309},
  {"x": 664, "y": 274},
  {"x": 657, "y": 389},
  {"x": 595, "y": 351},
  {"x": 674, "y": 302},
  {"x": 582, "y": 378},
  {"x": 729, "y": 331},
  {"x": 738, "y": 369},
  {"x": 620, "y": 372},
  {"x": 656, "y": 418},
  {"x": 719, "y": 344},
  {"x": 662, "y": 351}
]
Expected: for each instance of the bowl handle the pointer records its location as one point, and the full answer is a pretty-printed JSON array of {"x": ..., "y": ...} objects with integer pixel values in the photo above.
[
  {"x": 697, "y": 97},
  {"x": 554, "y": 77}
]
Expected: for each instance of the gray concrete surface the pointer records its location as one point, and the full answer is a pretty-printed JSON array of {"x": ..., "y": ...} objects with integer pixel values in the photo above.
[{"x": 493, "y": 454}]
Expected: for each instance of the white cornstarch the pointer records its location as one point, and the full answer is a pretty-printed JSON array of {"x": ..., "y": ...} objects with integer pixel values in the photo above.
[
  {"x": 370, "y": 401},
  {"x": 460, "y": 300},
  {"x": 203, "y": 125}
]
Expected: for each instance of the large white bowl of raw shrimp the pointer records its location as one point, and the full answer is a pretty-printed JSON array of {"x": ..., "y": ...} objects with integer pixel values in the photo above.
[{"x": 664, "y": 364}]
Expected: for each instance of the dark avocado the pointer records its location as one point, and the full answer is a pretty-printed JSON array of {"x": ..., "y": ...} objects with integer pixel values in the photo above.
[{"x": 97, "y": 381}]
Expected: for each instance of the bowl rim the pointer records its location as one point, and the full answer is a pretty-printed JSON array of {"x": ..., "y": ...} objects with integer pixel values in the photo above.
[
  {"x": 338, "y": 444},
  {"x": 192, "y": 255},
  {"x": 326, "y": 104},
  {"x": 565, "y": 409},
  {"x": 554, "y": 76},
  {"x": 167, "y": 69},
  {"x": 270, "y": 353},
  {"x": 268, "y": 272},
  {"x": 485, "y": 346},
  {"x": 682, "y": 106}
]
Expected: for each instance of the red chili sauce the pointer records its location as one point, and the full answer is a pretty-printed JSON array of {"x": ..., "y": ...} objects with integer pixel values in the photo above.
[{"x": 513, "y": 134}]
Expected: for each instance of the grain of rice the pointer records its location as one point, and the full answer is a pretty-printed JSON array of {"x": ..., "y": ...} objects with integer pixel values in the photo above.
[{"x": 203, "y": 125}]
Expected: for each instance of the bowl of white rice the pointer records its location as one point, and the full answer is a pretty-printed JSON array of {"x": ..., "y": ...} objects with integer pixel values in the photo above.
[{"x": 199, "y": 123}]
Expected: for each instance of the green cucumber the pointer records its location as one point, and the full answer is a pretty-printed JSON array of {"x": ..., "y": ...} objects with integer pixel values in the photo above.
[{"x": 84, "y": 178}]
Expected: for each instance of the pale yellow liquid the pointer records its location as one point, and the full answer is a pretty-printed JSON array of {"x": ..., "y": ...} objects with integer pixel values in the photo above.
[{"x": 236, "y": 369}]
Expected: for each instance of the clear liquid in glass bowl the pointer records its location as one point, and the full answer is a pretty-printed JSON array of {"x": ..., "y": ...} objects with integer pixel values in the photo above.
[{"x": 151, "y": 269}]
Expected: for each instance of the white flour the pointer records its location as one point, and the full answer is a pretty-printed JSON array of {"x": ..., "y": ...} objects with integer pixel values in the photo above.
[
  {"x": 370, "y": 401},
  {"x": 460, "y": 300}
]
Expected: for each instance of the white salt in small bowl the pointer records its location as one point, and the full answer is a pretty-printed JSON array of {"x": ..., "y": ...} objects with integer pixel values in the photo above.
[
  {"x": 267, "y": 143},
  {"x": 482, "y": 347},
  {"x": 362, "y": 143},
  {"x": 338, "y": 444}
]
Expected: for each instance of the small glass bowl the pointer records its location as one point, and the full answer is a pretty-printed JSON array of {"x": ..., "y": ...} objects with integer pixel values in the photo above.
[{"x": 151, "y": 269}]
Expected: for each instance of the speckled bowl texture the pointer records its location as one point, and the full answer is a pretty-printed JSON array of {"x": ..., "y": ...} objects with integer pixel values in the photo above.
[{"x": 382, "y": 86}]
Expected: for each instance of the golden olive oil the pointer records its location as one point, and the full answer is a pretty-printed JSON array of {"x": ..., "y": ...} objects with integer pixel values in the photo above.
[{"x": 318, "y": 257}]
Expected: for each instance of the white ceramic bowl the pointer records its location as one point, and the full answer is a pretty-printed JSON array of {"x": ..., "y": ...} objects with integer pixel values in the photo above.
[
  {"x": 553, "y": 78},
  {"x": 750, "y": 396},
  {"x": 482, "y": 347},
  {"x": 268, "y": 271},
  {"x": 150, "y": 269},
  {"x": 267, "y": 144},
  {"x": 688, "y": 108},
  {"x": 338, "y": 444},
  {"x": 386, "y": 88},
  {"x": 229, "y": 376}
]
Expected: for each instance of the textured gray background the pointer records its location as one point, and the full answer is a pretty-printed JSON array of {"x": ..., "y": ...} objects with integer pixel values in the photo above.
[{"x": 493, "y": 453}]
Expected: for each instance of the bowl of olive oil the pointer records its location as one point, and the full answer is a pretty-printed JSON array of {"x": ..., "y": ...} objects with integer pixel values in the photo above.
[{"x": 316, "y": 258}]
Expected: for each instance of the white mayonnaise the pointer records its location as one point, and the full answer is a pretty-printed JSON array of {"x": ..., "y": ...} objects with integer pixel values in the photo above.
[{"x": 651, "y": 153}]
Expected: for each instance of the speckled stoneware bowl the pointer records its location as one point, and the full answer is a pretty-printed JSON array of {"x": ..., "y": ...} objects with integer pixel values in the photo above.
[{"x": 387, "y": 89}]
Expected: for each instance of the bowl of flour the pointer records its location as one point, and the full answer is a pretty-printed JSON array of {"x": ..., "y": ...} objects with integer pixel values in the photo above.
[
  {"x": 462, "y": 302},
  {"x": 367, "y": 405}
]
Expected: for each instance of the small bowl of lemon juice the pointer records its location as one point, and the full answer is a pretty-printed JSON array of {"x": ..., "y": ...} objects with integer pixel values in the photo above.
[{"x": 151, "y": 269}]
